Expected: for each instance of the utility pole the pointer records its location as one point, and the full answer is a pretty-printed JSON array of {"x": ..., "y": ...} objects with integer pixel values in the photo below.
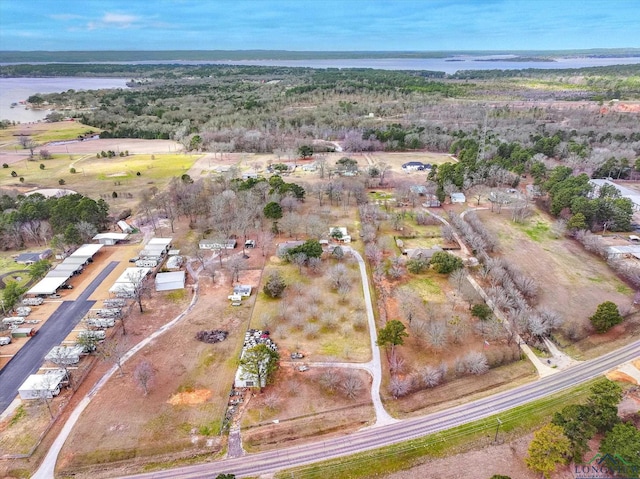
[{"x": 495, "y": 439}]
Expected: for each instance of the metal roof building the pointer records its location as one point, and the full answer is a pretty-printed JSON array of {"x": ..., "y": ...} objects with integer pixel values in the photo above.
[{"x": 170, "y": 281}]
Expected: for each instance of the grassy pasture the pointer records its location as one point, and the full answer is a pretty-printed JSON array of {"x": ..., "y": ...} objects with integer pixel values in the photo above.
[
  {"x": 313, "y": 318},
  {"x": 46, "y": 132},
  {"x": 100, "y": 176},
  {"x": 571, "y": 280}
]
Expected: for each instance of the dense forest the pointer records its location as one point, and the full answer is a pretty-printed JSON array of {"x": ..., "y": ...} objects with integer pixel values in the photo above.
[{"x": 276, "y": 109}]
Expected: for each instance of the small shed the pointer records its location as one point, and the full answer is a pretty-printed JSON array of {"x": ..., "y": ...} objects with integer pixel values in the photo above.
[
  {"x": 174, "y": 262},
  {"x": 243, "y": 290},
  {"x": 23, "y": 332},
  {"x": 458, "y": 198},
  {"x": 46, "y": 385},
  {"x": 125, "y": 227},
  {"x": 170, "y": 281}
]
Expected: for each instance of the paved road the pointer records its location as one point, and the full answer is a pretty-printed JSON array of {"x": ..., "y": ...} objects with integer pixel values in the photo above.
[
  {"x": 31, "y": 356},
  {"x": 373, "y": 438}
]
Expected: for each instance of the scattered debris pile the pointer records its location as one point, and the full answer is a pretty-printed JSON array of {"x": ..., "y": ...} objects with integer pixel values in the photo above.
[
  {"x": 253, "y": 337},
  {"x": 213, "y": 336}
]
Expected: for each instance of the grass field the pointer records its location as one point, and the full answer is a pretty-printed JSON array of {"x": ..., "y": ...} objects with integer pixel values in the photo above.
[
  {"x": 45, "y": 132},
  {"x": 571, "y": 281},
  {"x": 100, "y": 177}
]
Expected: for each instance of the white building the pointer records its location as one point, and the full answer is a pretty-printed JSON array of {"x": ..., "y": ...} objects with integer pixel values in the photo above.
[
  {"x": 125, "y": 227},
  {"x": 340, "y": 233},
  {"x": 458, "y": 198},
  {"x": 634, "y": 196},
  {"x": 217, "y": 244},
  {"x": 110, "y": 239},
  {"x": 46, "y": 385},
  {"x": 170, "y": 281}
]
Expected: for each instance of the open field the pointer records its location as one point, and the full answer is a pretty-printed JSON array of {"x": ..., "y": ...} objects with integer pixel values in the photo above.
[
  {"x": 45, "y": 132},
  {"x": 297, "y": 407},
  {"x": 312, "y": 318},
  {"x": 100, "y": 177},
  {"x": 571, "y": 281}
]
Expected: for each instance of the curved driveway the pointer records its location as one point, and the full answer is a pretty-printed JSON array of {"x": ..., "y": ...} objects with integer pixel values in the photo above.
[{"x": 373, "y": 438}]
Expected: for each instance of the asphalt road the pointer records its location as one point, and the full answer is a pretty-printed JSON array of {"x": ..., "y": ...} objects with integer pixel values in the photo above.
[
  {"x": 373, "y": 438},
  {"x": 31, "y": 356}
]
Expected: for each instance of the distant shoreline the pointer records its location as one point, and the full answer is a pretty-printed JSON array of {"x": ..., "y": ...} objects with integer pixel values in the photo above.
[{"x": 252, "y": 55}]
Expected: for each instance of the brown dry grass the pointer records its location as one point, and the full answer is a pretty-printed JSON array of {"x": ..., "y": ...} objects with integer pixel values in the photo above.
[
  {"x": 304, "y": 410},
  {"x": 571, "y": 281}
]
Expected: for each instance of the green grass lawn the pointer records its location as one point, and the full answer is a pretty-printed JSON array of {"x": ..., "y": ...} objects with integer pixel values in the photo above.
[
  {"x": 46, "y": 132},
  {"x": 103, "y": 176}
]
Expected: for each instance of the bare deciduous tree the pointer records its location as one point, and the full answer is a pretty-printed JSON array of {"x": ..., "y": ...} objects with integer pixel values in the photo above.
[
  {"x": 144, "y": 375},
  {"x": 113, "y": 351},
  {"x": 399, "y": 387},
  {"x": 330, "y": 379},
  {"x": 351, "y": 385}
]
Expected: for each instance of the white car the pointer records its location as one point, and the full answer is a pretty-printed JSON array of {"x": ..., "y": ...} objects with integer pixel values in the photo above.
[{"x": 4, "y": 340}]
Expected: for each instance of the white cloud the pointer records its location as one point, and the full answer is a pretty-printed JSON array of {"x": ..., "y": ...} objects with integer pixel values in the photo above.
[{"x": 121, "y": 19}]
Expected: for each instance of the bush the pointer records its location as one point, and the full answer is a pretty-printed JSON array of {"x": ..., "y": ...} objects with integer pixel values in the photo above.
[
  {"x": 605, "y": 317},
  {"x": 61, "y": 181},
  {"x": 42, "y": 166},
  {"x": 275, "y": 285},
  {"x": 4, "y": 165},
  {"x": 417, "y": 266},
  {"x": 14, "y": 174},
  {"x": 72, "y": 171},
  {"x": 445, "y": 263}
]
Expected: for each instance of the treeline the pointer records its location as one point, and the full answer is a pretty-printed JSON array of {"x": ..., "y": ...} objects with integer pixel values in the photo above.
[{"x": 73, "y": 219}]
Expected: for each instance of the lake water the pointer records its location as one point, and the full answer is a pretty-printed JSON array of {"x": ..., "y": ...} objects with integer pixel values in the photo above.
[
  {"x": 14, "y": 90},
  {"x": 447, "y": 65}
]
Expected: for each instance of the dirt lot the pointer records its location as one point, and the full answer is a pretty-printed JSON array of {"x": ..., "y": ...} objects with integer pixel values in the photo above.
[
  {"x": 297, "y": 408},
  {"x": 571, "y": 281}
]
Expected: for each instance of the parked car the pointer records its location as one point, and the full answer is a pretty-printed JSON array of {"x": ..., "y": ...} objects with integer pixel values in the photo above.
[
  {"x": 66, "y": 286},
  {"x": 133, "y": 260},
  {"x": 4, "y": 340},
  {"x": 297, "y": 355},
  {"x": 303, "y": 368}
]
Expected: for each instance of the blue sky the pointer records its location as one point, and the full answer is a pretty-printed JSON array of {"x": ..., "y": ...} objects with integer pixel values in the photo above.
[{"x": 318, "y": 24}]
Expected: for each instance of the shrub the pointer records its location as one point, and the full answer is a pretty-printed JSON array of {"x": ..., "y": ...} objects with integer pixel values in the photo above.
[
  {"x": 42, "y": 166},
  {"x": 61, "y": 181},
  {"x": 14, "y": 174},
  {"x": 417, "y": 266},
  {"x": 72, "y": 171},
  {"x": 4, "y": 165},
  {"x": 605, "y": 317},
  {"x": 275, "y": 285},
  {"x": 445, "y": 263}
]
